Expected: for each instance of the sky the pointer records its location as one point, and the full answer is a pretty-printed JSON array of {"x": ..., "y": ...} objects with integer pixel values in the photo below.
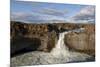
[{"x": 31, "y": 12}]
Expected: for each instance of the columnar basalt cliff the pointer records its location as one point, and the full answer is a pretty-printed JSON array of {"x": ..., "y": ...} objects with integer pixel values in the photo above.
[{"x": 44, "y": 36}]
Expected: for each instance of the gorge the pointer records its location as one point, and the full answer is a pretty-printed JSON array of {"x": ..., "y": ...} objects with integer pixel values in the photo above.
[{"x": 52, "y": 43}]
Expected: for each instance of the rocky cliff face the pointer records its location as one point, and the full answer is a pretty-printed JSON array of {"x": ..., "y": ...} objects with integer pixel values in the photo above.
[
  {"x": 44, "y": 36},
  {"x": 25, "y": 35}
]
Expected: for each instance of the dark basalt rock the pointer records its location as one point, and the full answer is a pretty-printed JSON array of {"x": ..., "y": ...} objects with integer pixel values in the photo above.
[{"x": 21, "y": 45}]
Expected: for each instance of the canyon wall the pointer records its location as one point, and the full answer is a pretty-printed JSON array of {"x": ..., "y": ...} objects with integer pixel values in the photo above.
[{"x": 44, "y": 36}]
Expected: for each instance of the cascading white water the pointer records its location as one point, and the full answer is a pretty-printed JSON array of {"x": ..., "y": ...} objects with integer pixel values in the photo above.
[
  {"x": 60, "y": 44},
  {"x": 60, "y": 48}
]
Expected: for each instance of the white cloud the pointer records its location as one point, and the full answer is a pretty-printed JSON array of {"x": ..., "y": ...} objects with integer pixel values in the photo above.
[
  {"x": 32, "y": 17},
  {"x": 53, "y": 12},
  {"x": 86, "y": 14}
]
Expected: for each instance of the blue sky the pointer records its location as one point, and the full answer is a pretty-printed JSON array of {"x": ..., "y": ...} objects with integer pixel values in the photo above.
[{"x": 38, "y": 11}]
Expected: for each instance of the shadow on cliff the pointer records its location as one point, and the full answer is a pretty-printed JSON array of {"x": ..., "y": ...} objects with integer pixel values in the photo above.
[{"x": 22, "y": 45}]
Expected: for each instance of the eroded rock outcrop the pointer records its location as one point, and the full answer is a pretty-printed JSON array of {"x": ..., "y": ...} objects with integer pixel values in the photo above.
[
  {"x": 47, "y": 36},
  {"x": 83, "y": 41}
]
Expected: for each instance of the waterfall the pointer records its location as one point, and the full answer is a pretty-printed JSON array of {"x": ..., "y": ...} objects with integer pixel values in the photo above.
[
  {"x": 60, "y": 44},
  {"x": 60, "y": 48},
  {"x": 59, "y": 54}
]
